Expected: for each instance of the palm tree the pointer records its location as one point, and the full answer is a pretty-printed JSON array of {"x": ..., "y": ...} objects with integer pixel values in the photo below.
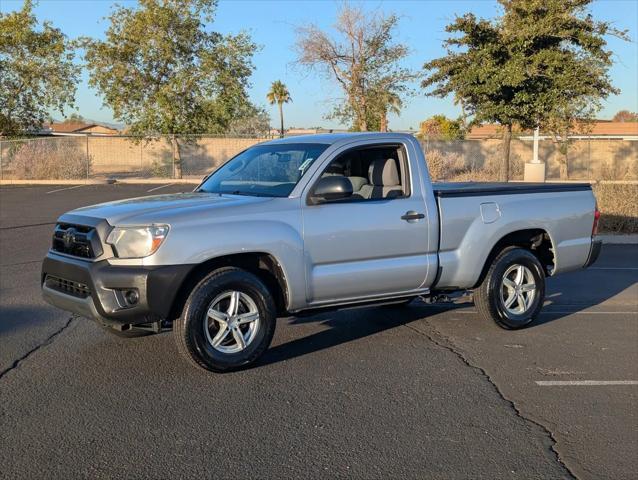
[
  {"x": 279, "y": 94},
  {"x": 391, "y": 103}
]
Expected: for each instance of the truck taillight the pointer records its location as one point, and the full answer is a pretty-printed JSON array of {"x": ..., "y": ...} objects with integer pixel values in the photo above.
[{"x": 594, "y": 228}]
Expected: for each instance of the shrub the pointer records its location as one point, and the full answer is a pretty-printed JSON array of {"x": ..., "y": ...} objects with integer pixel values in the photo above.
[
  {"x": 443, "y": 166},
  {"x": 48, "y": 159},
  {"x": 618, "y": 203},
  {"x": 161, "y": 169}
]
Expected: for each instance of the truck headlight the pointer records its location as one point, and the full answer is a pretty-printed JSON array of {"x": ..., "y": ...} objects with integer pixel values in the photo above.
[{"x": 136, "y": 242}]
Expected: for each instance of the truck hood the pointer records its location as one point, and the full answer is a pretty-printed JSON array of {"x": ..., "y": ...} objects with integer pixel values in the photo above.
[{"x": 161, "y": 208}]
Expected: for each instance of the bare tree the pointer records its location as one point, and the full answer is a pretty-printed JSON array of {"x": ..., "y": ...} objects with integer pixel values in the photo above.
[{"x": 362, "y": 58}]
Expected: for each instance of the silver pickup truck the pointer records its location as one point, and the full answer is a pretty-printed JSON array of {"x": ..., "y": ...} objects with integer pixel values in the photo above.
[{"x": 306, "y": 223}]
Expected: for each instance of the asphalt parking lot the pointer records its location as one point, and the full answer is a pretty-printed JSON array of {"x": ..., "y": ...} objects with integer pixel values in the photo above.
[{"x": 428, "y": 391}]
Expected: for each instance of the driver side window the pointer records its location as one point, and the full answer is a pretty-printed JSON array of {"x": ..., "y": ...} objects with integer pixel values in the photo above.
[{"x": 375, "y": 173}]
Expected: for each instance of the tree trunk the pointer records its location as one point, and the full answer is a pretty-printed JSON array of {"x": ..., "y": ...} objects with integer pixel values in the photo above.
[
  {"x": 177, "y": 158},
  {"x": 564, "y": 170},
  {"x": 560, "y": 155},
  {"x": 363, "y": 119},
  {"x": 281, "y": 118},
  {"x": 383, "y": 124},
  {"x": 504, "y": 171}
]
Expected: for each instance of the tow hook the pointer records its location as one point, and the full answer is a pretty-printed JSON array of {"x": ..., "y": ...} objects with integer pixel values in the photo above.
[{"x": 155, "y": 327}]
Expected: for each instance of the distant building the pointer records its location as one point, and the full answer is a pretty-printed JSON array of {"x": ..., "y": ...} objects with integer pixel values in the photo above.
[
  {"x": 601, "y": 129},
  {"x": 75, "y": 128}
]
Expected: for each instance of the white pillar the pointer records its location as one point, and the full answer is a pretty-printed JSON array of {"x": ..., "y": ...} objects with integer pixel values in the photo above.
[{"x": 535, "y": 170}]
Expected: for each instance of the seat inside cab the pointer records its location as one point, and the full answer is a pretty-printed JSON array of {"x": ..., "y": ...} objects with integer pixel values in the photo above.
[{"x": 374, "y": 172}]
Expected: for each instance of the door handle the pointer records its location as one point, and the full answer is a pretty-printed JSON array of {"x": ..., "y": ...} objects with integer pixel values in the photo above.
[{"x": 412, "y": 215}]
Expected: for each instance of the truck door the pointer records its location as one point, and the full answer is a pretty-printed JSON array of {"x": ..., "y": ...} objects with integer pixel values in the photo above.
[{"x": 375, "y": 243}]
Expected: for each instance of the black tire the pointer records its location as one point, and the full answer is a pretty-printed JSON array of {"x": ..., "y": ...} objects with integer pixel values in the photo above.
[
  {"x": 489, "y": 296},
  {"x": 190, "y": 329}
]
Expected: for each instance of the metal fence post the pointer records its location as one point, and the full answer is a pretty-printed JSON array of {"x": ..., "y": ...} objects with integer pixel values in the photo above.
[
  {"x": 173, "y": 157},
  {"x": 1, "y": 160},
  {"x": 88, "y": 162}
]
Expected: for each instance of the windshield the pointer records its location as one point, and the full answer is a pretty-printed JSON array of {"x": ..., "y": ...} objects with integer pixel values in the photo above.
[{"x": 264, "y": 170}]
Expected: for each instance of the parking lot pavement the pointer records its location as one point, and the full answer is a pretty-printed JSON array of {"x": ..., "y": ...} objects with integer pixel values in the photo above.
[
  {"x": 27, "y": 216},
  {"x": 587, "y": 332},
  {"x": 424, "y": 391}
]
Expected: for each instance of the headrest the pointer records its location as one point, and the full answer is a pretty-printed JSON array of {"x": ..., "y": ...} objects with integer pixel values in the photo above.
[
  {"x": 357, "y": 182},
  {"x": 383, "y": 173},
  {"x": 334, "y": 169}
]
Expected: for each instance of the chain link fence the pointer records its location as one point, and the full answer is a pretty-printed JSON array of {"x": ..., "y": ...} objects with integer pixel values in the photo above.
[
  {"x": 585, "y": 159},
  {"x": 106, "y": 157},
  {"x": 102, "y": 157}
]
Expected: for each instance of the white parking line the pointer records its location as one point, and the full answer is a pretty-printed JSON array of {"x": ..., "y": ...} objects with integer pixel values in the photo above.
[
  {"x": 161, "y": 186},
  {"x": 558, "y": 383},
  {"x": 613, "y": 268},
  {"x": 66, "y": 188},
  {"x": 585, "y": 312},
  {"x": 544, "y": 312}
]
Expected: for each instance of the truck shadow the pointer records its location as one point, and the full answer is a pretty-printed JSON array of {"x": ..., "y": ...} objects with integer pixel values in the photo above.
[
  {"x": 609, "y": 283},
  {"x": 340, "y": 328},
  {"x": 15, "y": 319}
]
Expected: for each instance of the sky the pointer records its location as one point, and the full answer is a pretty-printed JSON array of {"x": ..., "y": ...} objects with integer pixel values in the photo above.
[{"x": 271, "y": 23}]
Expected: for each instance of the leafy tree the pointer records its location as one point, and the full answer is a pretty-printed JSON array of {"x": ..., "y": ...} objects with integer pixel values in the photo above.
[
  {"x": 541, "y": 62},
  {"x": 441, "y": 127},
  {"x": 561, "y": 127},
  {"x": 253, "y": 122},
  {"x": 74, "y": 118},
  {"x": 625, "y": 116},
  {"x": 163, "y": 72},
  {"x": 279, "y": 95},
  {"x": 37, "y": 73},
  {"x": 386, "y": 101},
  {"x": 363, "y": 59},
  {"x": 379, "y": 104}
]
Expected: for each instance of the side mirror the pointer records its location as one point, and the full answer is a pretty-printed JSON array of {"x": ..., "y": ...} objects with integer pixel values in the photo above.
[{"x": 331, "y": 188}]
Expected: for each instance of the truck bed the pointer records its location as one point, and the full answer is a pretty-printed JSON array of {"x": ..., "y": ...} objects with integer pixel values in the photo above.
[
  {"x": 473, "y": 189},
  {"x": 475, "y": 216}
]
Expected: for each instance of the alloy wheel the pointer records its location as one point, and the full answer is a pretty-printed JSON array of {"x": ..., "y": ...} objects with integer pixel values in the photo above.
[{"x": 232, "y": 322}]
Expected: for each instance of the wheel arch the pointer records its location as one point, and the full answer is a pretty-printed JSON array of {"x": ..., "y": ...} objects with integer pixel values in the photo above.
[
  {"x": 536, "y": 240},
  {"x": 264, "y": 265}
]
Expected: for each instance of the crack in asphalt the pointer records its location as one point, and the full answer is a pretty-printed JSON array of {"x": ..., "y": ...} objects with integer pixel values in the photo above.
[
  {"x": 447, "y": 344},
  {"x": 20, "y": 263},
  {"x": 48, "y": 341},
  {"x": 15, "y": 227}
]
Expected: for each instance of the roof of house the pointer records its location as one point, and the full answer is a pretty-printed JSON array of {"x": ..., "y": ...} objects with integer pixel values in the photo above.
[
  {"x": 74, "y": 127},
  {"x": 333, "y": 138},
  {"x": 599, "y": 128}
]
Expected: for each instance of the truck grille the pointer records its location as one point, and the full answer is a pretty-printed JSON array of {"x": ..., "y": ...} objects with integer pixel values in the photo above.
[
  {"x": 75, "y": 289},
  {"x": 77, "y": 240}
]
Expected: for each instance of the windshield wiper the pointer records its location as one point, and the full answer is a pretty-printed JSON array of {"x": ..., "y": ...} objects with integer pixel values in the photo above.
[{"x": 249, "y": 194}]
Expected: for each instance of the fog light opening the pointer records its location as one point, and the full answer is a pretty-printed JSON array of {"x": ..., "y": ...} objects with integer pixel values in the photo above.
[{"x": 132, "y": 297}]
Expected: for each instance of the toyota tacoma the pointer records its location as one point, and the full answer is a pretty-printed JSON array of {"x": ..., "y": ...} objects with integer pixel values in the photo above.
[{"x": 301, "y": 224}]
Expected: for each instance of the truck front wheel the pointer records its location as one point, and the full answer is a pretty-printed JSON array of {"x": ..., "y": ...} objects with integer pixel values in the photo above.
[
  {"x": 228, "y": 321},
  {"x": 513, "y": 290}
]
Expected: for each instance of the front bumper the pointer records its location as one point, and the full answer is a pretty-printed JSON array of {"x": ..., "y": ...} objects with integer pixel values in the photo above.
[
  {"x": 95, "y": 289},
  {"x": 594, "y": 252}
]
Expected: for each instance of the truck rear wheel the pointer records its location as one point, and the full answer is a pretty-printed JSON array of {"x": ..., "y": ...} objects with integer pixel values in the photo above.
[
  {"x": 513, "y": 290},
  {"x": 228, "y": 321}
]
